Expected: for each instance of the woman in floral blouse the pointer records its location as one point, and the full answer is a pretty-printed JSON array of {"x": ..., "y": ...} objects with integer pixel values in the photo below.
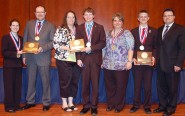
[
  {"x": 67, "y": 69},
  {"x": 117, "y": 62}
]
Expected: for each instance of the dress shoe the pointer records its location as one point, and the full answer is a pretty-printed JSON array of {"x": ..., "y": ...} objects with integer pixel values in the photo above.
[
  {"x": 73, "y": 108},
  {"x": 27, "y": 106},
  {"x": 117, "y": 110},
  {"x": 168, "y": 113},
  {"x": 147, "y": 110},
  {"x": 109, "y": 108},
  {"x": 133, "y": 109},
  {"x": 94, "y": 111},
  {"x": 18, "y": 108},
  {"x": 84, "y": 110},
  {"x": 46, "y": 108},
  {"x": 67, "y": 109},
  {"x": 10, "y": 110},
  {"x": 159, "y": 110}
]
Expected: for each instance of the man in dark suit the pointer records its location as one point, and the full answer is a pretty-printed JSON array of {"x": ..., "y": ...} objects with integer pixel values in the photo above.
[
  {"x": 145, "y": 41},
  {"x": 171, "y": 53},
  {"x": 40, "y": 31},
  {"x": 90, "y": 59}
]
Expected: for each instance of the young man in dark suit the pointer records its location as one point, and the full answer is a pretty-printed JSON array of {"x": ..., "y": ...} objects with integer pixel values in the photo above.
[
  {"x": 145, "y": 41},
  {"x": 171, "y": 54},
  {"x": 90, "y": 59}
]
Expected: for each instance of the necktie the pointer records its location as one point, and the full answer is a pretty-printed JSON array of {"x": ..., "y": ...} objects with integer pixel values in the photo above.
[
  {"x": 165, "y": 32},
  {"x": 88, "y": 29},
  {"x": 142, "y": 33},
  {"x": 39, "y": 26}
]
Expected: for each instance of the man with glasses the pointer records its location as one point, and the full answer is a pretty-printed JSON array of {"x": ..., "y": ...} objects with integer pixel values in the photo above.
[
  {"x": 171, "y": 53},
  {"x": 42, "y": 32}
]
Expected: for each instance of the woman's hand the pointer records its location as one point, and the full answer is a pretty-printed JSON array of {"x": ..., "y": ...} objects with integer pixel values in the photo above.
[{"x": 128, "y": 65}]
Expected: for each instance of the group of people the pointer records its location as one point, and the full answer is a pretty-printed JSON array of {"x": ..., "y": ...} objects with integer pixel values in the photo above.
[{"x": 119, "y": 46}]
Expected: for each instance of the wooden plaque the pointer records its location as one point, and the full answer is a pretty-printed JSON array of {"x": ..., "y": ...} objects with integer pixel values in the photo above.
[
  {"x": 144, "y": 58},
  {"x": 77, "y": 45},
  {"x": 30, "y": 47}
]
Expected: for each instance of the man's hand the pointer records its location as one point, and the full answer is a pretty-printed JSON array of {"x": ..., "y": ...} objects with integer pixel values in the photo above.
[
  {"x": 39, "y": 50},
  {"x": 135, "y": 61},
  {"x": 153, "y": 61},
  {"x": 24, "y": 61},
  {"x": 177, "y": 69},
  {"x": 79, "y": 63},
  {"x": 87, "y": 49}
]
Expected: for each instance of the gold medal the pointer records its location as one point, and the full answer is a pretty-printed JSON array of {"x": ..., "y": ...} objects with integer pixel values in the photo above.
[
  {"x": 113, "y": 47},
  {"x": 37, "y": 38}
]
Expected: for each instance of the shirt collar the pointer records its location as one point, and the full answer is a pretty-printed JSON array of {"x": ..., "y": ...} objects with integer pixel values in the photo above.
[{"x": 40, "y": 21}]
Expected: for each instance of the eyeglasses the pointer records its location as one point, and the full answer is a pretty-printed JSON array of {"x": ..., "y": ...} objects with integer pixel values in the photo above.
[
  {"x": 168, "y": 16},
  {"x": 39, "y": 12}
]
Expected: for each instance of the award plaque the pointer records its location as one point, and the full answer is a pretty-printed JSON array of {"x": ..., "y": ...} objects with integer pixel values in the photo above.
[
  {"x": 30, "y": 47},
  {"x": 144, "y": 58},
  {"x": 76, "y": 45}
]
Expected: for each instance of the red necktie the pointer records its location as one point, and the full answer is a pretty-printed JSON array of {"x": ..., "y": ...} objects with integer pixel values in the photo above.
[
  {"x": 142, "y": 33},
  {"x": 39, "y": 26}
]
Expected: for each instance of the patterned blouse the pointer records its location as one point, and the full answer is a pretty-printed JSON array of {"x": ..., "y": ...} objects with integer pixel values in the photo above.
[
  {"x": 61, "y": 38},
  {"x": 115, "y": 58}
]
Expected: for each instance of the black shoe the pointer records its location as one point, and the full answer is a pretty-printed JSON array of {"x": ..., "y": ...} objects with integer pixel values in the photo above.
[
  {"x": 46, "y": 108},
  {"x": 18, "y": 108},
  {"x": 27, "y": 106},
  {"x": 147, "y": 110},
  {"x": 10, "y": 110},
  {"x": 117, "y": 110},
  {"x": 94, "y": 111},
  {"x": 133, "y": 109},
  {"x": 168, "y": 113},
  {"x": 84, "y": 110},
  {"x": 73, "y": 108},
  {"x": 109, "y": 108},
  {"x": 159, "y": 110}
]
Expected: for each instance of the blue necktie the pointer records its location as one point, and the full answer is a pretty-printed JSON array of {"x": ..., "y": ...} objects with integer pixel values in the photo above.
[{"x": 88, "y": 29}]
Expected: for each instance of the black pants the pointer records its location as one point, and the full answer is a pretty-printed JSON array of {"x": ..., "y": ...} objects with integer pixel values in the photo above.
[
  {"x": 69, "y": 74},
  {"x": 167, "y": 89},
  {"x": 116, "y": 84},
  {"x": 12, "y": 87},
  {"x": 142, "y": 74}
]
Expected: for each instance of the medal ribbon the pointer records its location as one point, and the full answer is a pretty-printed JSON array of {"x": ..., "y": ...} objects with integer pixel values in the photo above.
[
  {"x": 115, "y": 37},
  {"x": 38, "y": 28},
  {"x": 16, "y": 42},
  {"x": 88, "y": 31},
  {"x": 143, "y": 35}
]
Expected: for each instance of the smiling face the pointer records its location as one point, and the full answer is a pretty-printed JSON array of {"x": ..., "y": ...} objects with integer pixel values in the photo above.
[
  {"x": 168, "y": 17},
  {"x": 117, "y": 23},
  {"x": 40, "y": 13},
  {"x": 88, "y": 16},
  {"x": 14, "y": 27},
  {"x": 143, "y": 18},
  {"x": 70, "y": 19}
]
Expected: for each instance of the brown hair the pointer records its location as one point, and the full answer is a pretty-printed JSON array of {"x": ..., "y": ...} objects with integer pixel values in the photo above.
[
  {"x": 13, "y": 20},
  {"x": 88, "y": 9},
  {"x": 119, "y": 16},
  {"x": 65, "y": 19}
]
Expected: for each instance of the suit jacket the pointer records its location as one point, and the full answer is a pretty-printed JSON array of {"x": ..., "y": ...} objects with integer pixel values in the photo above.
[
  {"x": 46, "y": 42},
  {"x": 9, "y": 52},
  {"x": 150, "y": 44},
  {"x": 171, "y": 50},
  {"x": 98, "y": 42}
]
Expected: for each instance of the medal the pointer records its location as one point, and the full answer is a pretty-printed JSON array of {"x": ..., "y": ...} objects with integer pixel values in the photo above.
[
  {"x": 113, "y": 47},
  {"x": 141, "y": 47},
  {"x": 37, "y": 38},
  {"x": 88, "y": 44}
]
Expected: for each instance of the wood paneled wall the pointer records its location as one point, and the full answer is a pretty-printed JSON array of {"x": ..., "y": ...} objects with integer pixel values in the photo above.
[{"x": 23, "y": 10}]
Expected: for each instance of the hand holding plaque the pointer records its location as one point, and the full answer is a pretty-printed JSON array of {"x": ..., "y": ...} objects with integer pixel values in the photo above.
[
  {"x": 77, "y": 45},
  {"x": 144, "y": 58},
  {"x": 30, "y": 47}
]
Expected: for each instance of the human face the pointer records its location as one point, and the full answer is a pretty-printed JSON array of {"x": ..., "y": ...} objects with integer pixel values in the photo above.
[
  {"x": 40, "y": 13},
  {"x": 143, "y": 18},
  {"x": 117, "y": 23},
  {"x": 168, "y": 17},
  {"x": 88, "y": 16},
  {"x": 14, "y": 27},
  {"x": 70, "y": 18}
]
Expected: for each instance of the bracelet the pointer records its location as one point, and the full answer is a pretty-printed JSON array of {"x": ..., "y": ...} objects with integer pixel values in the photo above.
[{"x": 129, "y": 61}]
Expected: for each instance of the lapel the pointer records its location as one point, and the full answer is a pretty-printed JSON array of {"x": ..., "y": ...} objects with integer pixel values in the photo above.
[
  {"x": 149, "y": 33},
  {"x": 169, "y": 31},
  {"x": 33, "y": 29},
  {"x": 43, "y": 27}
]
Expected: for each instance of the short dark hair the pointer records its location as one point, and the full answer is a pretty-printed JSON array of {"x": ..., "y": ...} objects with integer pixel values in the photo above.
[
  {"x": 143, "y": 11},
  {"x": 13, "y": 20},
  {"x": 65, "y": 19},
  {"x": 119, "y": 16},
  {"x": 88, "y": 9},
  {"x": 169, "y": 9}
]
